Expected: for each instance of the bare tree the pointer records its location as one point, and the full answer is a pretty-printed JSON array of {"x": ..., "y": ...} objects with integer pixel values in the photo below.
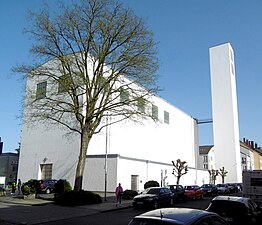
[
  {"x": 223, "y": 173},
  {"x": 180, "y": 169},
  {"x": 213, "y": 175},
  {"x": 103, "y": 60}
]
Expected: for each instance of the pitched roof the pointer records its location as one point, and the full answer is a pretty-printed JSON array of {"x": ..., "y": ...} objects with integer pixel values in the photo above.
[{"x": 205, "y": 149}]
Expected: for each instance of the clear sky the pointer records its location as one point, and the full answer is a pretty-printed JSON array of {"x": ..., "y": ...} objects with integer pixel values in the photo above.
[{"x": 185, "y": 30}]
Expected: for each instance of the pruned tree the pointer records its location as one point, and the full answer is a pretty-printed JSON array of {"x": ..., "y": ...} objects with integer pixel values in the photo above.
[
  {"x": 103, "y": 60},
  {"x": 180, "y": 169},
  {"x": 213, "y": 175},
  {"x": 223, "y": 173}
]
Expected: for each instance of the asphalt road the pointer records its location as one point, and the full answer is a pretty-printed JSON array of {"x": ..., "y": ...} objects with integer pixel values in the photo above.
[{"x": 122, "y": 217}]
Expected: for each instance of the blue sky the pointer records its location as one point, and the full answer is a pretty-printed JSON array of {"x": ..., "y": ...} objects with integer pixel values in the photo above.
[{"x": 185, "y": 30}]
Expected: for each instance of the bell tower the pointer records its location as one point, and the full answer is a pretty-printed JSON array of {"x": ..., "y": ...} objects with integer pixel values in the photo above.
[{"x": 225, "y": 112}]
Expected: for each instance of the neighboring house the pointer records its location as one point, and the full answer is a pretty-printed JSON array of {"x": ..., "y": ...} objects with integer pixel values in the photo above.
[
  {"x": 251, "y": 156},
  {"x": 134, "y": 153},
  {"x": 206, "y": 157},
  {"x": 8, "y": 168}
]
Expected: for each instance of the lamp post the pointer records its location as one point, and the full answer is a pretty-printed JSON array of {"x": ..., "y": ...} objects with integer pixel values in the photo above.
[{"x": 106, "y": 156}]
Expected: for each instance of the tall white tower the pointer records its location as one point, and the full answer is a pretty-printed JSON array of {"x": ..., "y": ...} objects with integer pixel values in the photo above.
[{"x": 225, "y": 113}]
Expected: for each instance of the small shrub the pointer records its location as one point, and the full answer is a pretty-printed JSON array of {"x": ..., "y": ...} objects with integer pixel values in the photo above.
[
  {"x": 73, "y": 198},
  {"x": 151, "y": 183},
  {"x": 34, "y": 185},
  {"x": 30, "y": 187},
  {"x": 129, "y": 194},
  {"x": 2, "y": 191},
  {"x": 27, "y": 190},
  {"x": 62, "y": 186}
]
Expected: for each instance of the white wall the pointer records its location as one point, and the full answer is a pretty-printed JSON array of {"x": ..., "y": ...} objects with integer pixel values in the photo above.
[
  {"x": 42, "y": 145},
  {"x": 160, "y": 142},
  {"x": 152, "y": 141}
]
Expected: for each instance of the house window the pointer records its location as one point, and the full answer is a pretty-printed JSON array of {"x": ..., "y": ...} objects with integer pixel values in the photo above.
[
  {"x": 166, "y": 117},
  {"x": 205, "y": 166},
  {"x": 154, "y": 111},
  {"x": 64, "y": 83},
  {"x": 46, "y": 171},
  {"x": 41, "y": 90},
  {"x": 205, "y": 158}
]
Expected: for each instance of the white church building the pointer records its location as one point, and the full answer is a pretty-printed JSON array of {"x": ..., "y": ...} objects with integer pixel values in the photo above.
[{"x": 130, "y": 153}]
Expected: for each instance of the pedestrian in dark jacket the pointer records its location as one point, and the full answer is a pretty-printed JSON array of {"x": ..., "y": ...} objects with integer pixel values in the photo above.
[{"x": 119, "y": 192}]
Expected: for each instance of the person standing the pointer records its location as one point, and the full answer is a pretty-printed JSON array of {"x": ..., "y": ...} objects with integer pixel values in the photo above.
[
  {"x": 119, "y": 192},
  {"x": 19, "y": 186}
]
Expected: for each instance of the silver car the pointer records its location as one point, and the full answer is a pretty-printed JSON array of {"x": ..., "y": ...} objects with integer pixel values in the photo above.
[{"x": 178, "y": 216}]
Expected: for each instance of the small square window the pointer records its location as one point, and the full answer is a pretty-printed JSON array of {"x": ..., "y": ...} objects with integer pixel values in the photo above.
[
  {"x": 166, "y": 117},
  {"x": 41, "y": 90}
]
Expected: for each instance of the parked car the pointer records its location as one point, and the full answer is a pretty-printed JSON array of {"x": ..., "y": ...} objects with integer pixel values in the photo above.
[
  {"x": 178, "y": 216},
  {"x": 232, "y": 188},
  {"x": 209, "y": 189},
  {"x": 236, "y": 210},
  {"x": 47, "y": 186},
  {"x": 178, "y": 192},
  {"x": 239, "y": 186},
  {"x": 223, "y": 189},
  {"x": 193, "y": 192},
  {"x": 153, "y": 197}
]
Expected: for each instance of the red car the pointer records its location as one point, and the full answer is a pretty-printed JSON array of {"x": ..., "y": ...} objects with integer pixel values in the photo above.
[{"x": 193, "y": 192}]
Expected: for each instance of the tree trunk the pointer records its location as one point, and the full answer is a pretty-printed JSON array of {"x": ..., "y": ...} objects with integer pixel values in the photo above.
[
  {"x": 178, "y": 179},
  {"x": 81, "y": 161}
]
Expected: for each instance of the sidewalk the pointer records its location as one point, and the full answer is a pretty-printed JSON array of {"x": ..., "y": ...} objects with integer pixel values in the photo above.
[{"x": 14, "y": 210}]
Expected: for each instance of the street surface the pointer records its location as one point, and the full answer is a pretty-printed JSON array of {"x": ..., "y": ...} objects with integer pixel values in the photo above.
[{"x": 122, "y": 217}]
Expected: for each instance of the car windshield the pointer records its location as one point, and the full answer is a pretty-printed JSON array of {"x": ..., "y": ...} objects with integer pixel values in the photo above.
[
  {"x": 189, "y": 187},
  {"x": 220, "y": 185},
  {"x": 206, "y": 186},
  {"x": 151, "y": 191}
]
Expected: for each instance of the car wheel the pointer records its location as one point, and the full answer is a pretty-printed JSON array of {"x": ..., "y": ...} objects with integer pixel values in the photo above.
[{"x": 48, "y": 191}]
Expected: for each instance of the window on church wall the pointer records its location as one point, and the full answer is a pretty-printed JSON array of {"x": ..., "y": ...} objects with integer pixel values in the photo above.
[
  {"x": 64, "y": 83},
  {"x": 141, "y": 105},
  {"x": 154, "y": 111},
  {"x": 232, "y": 69},
  {"x": 124, "y": 96},
  {"x": 41, "y": 90},
  {"x": 166, "y": 117}
]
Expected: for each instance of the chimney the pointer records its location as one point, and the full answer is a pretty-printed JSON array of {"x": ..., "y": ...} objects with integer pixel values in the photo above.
[
  {"x": 1, "y": 146},
  {"x": 252, "y": 144}
]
